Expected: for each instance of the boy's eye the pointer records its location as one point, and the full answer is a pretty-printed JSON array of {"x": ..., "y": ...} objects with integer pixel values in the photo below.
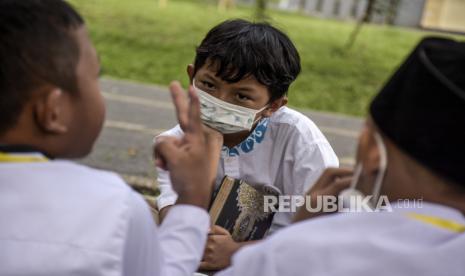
[
  {"x": 208, "y": 85},
  {"x": 242, "y": 97}
]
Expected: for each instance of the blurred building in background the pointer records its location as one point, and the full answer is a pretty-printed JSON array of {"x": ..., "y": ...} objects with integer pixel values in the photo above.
[{"x": 447, "y": 15}]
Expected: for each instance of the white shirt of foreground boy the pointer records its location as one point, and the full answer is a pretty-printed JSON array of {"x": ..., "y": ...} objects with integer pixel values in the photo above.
[
  {"x": 60, "y": 218},
  {"x": 409, "y": 241}
]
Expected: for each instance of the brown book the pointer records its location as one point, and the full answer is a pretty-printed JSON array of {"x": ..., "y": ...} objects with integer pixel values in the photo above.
[{"x": 239, "y": 208}]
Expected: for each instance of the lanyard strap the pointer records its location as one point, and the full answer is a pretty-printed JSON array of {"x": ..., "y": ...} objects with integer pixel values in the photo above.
[
  {"x": 21, "y": 158},
  {"x": 438, "y": 222}
]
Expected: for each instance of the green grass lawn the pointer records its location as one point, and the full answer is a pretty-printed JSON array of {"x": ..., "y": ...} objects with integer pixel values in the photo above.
[{"x": 139, "y": 41}]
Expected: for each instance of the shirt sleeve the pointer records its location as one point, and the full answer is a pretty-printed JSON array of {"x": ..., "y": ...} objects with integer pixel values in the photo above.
[
  {"x": 167, "y": 195},
  {"x": 142, "y": 252},
  {"x": 174, "y": 249},
  {"x": 183, "y": 236},
  {"x": 278, "y": 255},
  {"x": 258, "y": 259}
]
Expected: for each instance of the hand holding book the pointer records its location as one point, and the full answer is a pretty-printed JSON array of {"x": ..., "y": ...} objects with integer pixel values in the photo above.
[
  {"x": 238, "y": 217},
  {"x": 220, "y": 247}
]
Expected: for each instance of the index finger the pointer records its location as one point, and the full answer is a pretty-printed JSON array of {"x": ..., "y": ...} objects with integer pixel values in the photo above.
[
  {"x": 195, "y": 123},
  {"x": 181, "y": 103}
]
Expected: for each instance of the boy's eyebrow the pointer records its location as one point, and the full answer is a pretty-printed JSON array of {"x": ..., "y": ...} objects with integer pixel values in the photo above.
[
  {"x": 245, "y": 88},
  {"x": 211, "y": 77}
]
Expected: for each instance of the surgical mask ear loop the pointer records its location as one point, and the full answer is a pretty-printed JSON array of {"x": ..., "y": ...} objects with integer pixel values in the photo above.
[
  {"x": 379, "y": 178},
  {"x": 355, "y": 178},
  {"x": 346, "y": 195},
  {"x": 382, "y": 168},
  {"x": 260, "y": 110}
]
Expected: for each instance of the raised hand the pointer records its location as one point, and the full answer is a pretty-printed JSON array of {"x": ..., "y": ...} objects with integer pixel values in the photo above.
[
  {"x": 330, "y": 183},
  {"x": 193, "y": 159}
]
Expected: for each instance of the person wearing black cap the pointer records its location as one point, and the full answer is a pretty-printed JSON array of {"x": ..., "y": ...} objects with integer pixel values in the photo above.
[{"x": 411, "y": 153}]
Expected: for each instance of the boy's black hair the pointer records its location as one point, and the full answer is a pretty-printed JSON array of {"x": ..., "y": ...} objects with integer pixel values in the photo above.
[
  {"x": 241, "y": 48},
  {"x": 37, "y": 47}
]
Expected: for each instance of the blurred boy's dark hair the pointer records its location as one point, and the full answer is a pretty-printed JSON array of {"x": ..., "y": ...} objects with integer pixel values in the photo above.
[
  {"x": 240, "y": 48},
  {"x": 37, "y": 47}
]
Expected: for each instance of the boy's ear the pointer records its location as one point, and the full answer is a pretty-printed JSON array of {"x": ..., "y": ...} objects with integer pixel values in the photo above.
[
  {"x": 190, "y": 72},
  {"x": 368, "y": 154},
  {"x": 51, "y": 111},
  {"x": 274, "y": 106}
]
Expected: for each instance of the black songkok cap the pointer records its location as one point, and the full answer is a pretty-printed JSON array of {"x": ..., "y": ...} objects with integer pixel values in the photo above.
[{"x": 421, "y": 109}]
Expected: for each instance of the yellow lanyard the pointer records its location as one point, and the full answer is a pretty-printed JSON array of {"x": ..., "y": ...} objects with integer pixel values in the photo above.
[
  {"x": 438, "y": 222},
  {"x": 17, "y": 158}
]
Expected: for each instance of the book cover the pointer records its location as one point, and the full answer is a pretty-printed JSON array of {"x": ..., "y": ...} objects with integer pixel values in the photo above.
[{"x": 239, "y": 208}]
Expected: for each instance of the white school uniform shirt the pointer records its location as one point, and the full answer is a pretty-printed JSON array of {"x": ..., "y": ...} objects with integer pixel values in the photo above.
[
  {"x": 427, "y": 241},
  {"x": 60, "y": 218},
  {"x": 286, "y": 150}
]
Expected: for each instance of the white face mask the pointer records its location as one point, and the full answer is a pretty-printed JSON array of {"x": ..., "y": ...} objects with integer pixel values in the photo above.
[
  {"x": 225, "y": 117},
  {"x": 352, "y": 191}
]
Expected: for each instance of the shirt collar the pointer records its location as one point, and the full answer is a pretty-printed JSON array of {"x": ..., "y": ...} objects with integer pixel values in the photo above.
[
  {"x": 23, "y": 150},
  {"x": 249, "y": 143},
  {"x": 430, "y": 209}
]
